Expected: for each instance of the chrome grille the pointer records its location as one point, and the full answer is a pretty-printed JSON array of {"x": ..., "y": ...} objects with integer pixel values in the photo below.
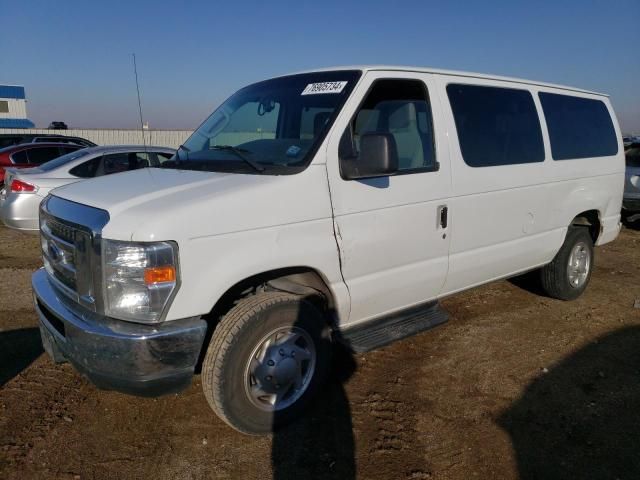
[
  {"x": 59, "y": 251},
  {"x": 70, "y": 236},
  {"x": 63, "y": 232}
]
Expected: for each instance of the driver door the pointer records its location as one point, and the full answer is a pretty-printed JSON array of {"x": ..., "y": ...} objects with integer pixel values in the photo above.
[{"x": 393, "y": 232}]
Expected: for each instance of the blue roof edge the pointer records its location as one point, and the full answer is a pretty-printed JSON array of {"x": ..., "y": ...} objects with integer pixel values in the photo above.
[{"x": 16, "y": 123}]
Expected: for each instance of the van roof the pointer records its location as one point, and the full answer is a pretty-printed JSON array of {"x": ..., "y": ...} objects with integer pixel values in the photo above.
[{"x": 437, "y": 71}]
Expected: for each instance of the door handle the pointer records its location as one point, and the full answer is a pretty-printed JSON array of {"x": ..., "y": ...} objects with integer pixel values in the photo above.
[{"x": 443, "y": 216}]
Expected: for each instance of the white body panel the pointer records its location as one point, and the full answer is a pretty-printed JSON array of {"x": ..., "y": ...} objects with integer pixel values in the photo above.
[
  {"x": 228, "y": 226},
  {"x": 512, "y": 218},
  {"x": 20, "y": 210},
  {"x": 378, "y": 244},
  {"x": 394, "y": 254}
]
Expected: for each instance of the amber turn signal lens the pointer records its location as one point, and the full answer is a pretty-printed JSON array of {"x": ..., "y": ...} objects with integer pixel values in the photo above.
[{"x": 159, "y": 275}]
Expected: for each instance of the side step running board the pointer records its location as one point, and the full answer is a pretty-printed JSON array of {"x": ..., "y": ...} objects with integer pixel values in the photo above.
[{"x": 383, "y": 331}]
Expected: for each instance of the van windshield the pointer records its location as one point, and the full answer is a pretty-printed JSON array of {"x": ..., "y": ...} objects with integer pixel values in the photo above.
[{"x": 271, "y": 127}]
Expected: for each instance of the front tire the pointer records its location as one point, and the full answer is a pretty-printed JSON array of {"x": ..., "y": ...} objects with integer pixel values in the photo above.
[
  {"x": 568, "y": 275},
  {"x": 265, "y": 361}
]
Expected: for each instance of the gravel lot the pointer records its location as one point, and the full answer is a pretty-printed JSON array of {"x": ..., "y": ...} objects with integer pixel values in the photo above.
[{"x": 516, "y": 385}]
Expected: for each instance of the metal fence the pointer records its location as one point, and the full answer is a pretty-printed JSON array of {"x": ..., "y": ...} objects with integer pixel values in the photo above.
[{"x": 160, "y": 138}]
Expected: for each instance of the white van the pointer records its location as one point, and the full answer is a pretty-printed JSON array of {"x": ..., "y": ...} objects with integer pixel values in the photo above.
[{"x": 333, "y": 205}]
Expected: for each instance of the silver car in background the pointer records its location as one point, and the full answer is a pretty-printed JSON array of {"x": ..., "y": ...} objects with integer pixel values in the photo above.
[{"x": 24, "y": 189}]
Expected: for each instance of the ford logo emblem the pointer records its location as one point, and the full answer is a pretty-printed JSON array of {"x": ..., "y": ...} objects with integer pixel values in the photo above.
[{"x": 55, "y": 252}]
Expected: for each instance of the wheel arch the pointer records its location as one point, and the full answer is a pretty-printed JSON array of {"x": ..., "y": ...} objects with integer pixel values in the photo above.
[
  {"x": 591, "y": 220},
  {"x": 300, "y": 280}
]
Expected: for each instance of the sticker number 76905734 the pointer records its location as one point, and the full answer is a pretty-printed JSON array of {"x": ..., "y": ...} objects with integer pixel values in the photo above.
[{"x": 323, "y": 87}]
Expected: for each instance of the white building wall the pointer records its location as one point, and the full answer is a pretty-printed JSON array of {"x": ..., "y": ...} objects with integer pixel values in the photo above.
[
  {"x": 160, "y": 138},
  {"x": 17, "y": 108}
]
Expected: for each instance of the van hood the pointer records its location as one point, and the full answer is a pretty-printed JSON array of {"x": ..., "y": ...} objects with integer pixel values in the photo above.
[
  {"x": 120, "y": 191},
  {"x": 167, "y": 204}
]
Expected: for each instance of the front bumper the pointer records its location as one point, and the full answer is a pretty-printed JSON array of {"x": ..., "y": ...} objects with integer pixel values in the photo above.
[
  {"x": 20, "y": 211},
  {"x": 146, "y": 360}
]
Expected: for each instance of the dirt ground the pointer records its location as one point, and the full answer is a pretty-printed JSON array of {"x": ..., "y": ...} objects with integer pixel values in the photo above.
[{"x": 515, "y": 385}]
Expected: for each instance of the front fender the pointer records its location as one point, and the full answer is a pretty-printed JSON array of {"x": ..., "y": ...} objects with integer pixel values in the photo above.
[{"x": 212, "y": 265}]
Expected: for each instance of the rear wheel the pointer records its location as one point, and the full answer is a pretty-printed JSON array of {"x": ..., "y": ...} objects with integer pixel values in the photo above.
[
  {"x": 567, "y": 276},
  {"x": 265, "y": 361}
]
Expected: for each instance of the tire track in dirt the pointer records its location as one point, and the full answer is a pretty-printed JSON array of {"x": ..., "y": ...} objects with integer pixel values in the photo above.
[{"x": 384, "y": 416}]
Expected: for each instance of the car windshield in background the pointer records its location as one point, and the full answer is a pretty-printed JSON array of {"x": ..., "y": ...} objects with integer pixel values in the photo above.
[
  {"x": 271, "y": 127},
  {"x": 60, "y": 161}
]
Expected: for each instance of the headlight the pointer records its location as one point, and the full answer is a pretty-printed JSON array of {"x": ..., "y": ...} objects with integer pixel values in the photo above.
[{"x": 139, "y": 279}]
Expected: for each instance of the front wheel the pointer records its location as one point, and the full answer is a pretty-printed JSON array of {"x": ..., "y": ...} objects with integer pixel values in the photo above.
[
  {"x": 567, "y": 276},
  {"x": 265, "y": 361}
]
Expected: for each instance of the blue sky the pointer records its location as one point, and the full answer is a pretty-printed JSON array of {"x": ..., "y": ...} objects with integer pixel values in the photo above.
[{"x": 74, "y": 57}]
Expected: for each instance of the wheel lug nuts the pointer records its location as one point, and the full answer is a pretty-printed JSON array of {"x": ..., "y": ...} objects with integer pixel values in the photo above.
[
  {"x": 281, "y": 352},
  {"x": 293, "y": 354},
  {"x": 271, "y": 363},
  {"x": 268, "y": 378}
]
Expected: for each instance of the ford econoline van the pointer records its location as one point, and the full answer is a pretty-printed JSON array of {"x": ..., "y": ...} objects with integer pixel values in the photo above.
[{"x": 333, "y": 205}]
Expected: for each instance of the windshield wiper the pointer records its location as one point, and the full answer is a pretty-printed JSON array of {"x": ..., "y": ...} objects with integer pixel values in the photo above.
[{"x": 239, "y": 153}]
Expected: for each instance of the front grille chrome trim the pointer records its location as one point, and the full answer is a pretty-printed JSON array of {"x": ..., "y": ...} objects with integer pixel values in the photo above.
[
  {"x": 45, "y": 230},
  {"x": 71, "y": 249}
]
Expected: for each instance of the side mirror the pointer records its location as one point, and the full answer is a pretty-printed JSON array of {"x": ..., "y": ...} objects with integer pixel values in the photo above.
[{"x": 378, "y": 157}]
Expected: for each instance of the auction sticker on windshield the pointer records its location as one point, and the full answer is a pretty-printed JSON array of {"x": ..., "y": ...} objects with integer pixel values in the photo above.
[{"x": 323, "y": 87}]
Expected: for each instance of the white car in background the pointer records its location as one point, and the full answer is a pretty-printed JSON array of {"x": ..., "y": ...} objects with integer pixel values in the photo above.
[{"x": 24, "y": 189}]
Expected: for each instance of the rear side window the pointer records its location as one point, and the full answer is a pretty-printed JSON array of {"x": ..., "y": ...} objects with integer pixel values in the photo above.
[
  {"x": 496, "y": 126},
  {"x": 38, "y": 156},
  {"x": 87, "y": 169},
  {"x": 578, "y": 127},
  {"x": 64, "y": 159},
  {"x": 20, "y": 158}
]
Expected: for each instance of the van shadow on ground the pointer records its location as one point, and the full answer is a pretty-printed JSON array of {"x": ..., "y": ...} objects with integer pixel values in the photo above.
[
  {"x": 581, "y": 420},
  {"x": 18, "y": 349},
  {"x": 529, "y": 282},
  {"x": 320, "y": 444}
]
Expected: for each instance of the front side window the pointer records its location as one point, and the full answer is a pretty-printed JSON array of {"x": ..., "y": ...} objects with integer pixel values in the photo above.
[
  {"x": 401, "y": 108},
  {"x": 496, "y": 126},
  {"x": 271, "y": 127},
  {"x": 123, "y": 162},
  {"x": 578, "y": 127}
]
